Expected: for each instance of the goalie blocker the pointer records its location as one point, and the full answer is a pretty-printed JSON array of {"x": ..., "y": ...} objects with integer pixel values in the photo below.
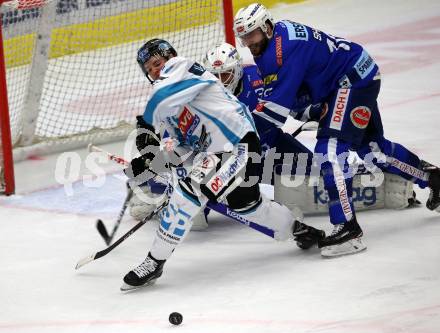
[{"x": 309, "y": 195}]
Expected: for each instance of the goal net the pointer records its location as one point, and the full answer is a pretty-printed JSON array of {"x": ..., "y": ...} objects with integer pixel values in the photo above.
[{"x": 71, "y": 69}]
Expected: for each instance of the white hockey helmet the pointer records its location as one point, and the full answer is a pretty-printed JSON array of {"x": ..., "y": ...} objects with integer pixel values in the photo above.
[
  {"x": 224, "y": 61},
  {"x": 250, "y": 18}
]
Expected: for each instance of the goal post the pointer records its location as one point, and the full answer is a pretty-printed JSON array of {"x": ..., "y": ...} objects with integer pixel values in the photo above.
[
  {"x": 68, "y": 71},
  {"x": 7, "y": 183}
]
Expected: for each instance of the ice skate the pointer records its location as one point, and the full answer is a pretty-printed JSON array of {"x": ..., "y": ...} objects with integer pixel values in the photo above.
[
  {"x": 143, "y": 275},
  {"x": 345, "y": 239},
  {"x": 433, "y": 202}
]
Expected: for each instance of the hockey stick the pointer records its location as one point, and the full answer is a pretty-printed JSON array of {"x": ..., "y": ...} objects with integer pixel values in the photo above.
[
  {"x": 307, "y": 126},
  {"x": 112, "y": 157},
  {"x": 101, "y": 227},
  {"x": 104, "y": 252},
  {"x": 225, "y": 211},
  {"x": 215, "y": 206}
]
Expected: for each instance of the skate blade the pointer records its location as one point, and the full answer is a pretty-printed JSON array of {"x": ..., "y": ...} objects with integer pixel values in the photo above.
[
  {"x": 127, "y": 287},
  {"x": 350, "y": 247}
]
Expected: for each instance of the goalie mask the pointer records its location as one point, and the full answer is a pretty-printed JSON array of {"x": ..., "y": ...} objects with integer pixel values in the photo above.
[
  {"x": 154, "y": 48},
  {"x": 224, "y": 61}
]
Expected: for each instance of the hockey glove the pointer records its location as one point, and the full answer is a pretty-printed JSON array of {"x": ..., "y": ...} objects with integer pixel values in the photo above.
[
  {"x": 306, "y": 236},
  {"x": 145, "y": 135},
  {"x": 137, "y": 166}
]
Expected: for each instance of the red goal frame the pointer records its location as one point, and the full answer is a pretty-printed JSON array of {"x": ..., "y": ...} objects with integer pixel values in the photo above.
[
  {"x": 6, "y": 152},
  {"x": 6, "y": 157}
]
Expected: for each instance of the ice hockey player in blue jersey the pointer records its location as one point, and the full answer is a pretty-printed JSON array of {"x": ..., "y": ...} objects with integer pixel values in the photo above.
[
  {"x": 342, "y": 76},
  {"x": 207, "y": 123}
]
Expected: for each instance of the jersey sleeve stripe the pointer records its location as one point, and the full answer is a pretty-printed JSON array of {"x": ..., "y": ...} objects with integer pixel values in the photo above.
[
  {"x": 273, "y": 116},
  {"x": 270, "y": 119},
  {"x": 168, "y": 91},
  {"x": 234, "y": 139}
]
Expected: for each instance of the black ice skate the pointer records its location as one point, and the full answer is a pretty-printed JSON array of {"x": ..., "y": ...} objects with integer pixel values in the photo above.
[
  {"x": 144, "y": 275},
  {"x": 345, "y": 239},
  {"x": 433, "y": 202},
  {"x": 306, "y": 236}
]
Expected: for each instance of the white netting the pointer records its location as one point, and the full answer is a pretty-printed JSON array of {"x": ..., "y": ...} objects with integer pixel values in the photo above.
[{"x": 93, "y": 86}]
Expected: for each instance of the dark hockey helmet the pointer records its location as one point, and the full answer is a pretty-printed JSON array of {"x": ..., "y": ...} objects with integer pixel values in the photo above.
[{"x": 152, "y": 48}]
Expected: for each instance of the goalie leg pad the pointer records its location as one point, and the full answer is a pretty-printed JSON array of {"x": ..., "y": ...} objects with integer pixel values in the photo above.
[
  {"x": 398, "y": 191},
  {"x": 144, "y": 202},
  {"x": 310, "y": 196}
]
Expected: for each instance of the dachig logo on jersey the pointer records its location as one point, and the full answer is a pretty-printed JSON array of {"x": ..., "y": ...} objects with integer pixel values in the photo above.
[{"x": 339, "y": 108}]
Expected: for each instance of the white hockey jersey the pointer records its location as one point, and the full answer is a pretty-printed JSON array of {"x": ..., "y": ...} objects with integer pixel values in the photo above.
[{"x": 196, "y": 109}]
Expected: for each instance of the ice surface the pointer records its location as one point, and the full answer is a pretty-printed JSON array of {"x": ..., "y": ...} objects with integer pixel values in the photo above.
[{"x": 230, "y": 278}]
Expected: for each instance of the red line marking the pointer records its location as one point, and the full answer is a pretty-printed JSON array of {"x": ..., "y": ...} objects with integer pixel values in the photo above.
[
  {"x": 411, "y": 100},
  {"x": 371, "y": 324}
]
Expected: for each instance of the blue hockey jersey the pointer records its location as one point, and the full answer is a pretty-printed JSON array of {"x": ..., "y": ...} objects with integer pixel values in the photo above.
[
  {"x": 300, "y": 56},
  {"x": 251, "y": 87},
  {"x": 250, "y": 92}
]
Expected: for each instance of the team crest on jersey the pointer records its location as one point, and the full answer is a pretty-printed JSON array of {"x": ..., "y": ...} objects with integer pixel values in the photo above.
[
  {"x": 360, "y": 116},
  {"x": 279, "y": 51}
]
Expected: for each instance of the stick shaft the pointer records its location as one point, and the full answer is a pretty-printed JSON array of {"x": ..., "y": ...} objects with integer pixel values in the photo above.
[
  {"x": 107, "y": 250},
  {"x": 110, "y": 156}
]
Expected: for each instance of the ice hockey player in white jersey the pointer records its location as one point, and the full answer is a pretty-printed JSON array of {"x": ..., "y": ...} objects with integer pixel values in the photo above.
[{"x": 205, "y": 119}]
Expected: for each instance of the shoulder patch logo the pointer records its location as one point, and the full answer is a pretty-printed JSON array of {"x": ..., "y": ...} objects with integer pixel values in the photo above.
[{"x": 360, "y": 116}]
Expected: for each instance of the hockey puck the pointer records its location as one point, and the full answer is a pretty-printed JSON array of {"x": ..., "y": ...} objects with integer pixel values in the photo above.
[{"x": 175, "y": 318}]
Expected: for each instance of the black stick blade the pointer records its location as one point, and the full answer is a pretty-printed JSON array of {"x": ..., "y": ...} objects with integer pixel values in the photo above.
[{"x": 103, "y": 231}]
